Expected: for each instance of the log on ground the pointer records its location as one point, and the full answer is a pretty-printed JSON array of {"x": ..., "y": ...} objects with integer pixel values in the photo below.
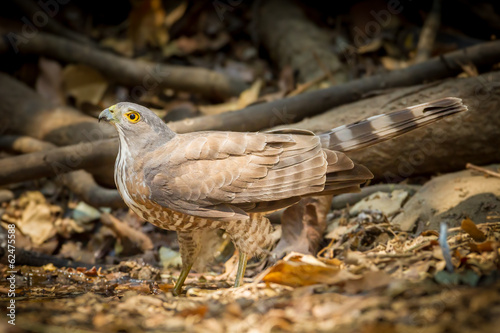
[{"x": 446, "y": 145}]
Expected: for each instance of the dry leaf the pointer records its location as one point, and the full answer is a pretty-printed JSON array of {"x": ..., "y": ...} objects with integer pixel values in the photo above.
[
  {"x": 391, "y": 64},
  {"x": 470, "y": 227},
  {"x": 487, "y": 246},
  {"x": 303, "y": 225},
  {"x": 175, "y": 14},
  {"x": 247, "y": 97},
  {"x": 75, "y": 251},
  {"x": 250, "y": 95},
  {"x": 147, "y": 24},
  {"x": 470, "y": 69},
  {"x": 122, "y": 46},
  {"x": 199, "y": 311},
  {"x": 297, "y": 274},
  {"x": 37, "y": 220},
  {"x": 84, "y": 83},
  {"x": 199, "y": 42}
]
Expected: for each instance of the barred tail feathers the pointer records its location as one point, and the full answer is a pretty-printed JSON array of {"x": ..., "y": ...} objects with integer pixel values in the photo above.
[{"x": 383, "y": 127}]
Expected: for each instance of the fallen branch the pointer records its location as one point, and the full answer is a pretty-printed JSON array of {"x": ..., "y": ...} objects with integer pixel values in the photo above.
[
  {"x": 83, "y": 184},
  {"x": 23, "y": 144},
  {"x": 32, "y": 258},
  {"x": 444, "y": 146},
  {"x": 434, "y": 147},
  {"x": 483, "y": 170},
  {"x": 257, "y": 117},
  {"x": 293, "y": 109},
  {"x": 57, "y": 161},
  {"x": 32, "y": 9},
  {"x": 79, "y": 182},
  {"x": 140, "y": 75}
]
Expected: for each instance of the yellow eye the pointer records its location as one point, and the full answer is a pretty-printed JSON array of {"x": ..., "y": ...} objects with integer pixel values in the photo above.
[{"x": 133, "y": 116}]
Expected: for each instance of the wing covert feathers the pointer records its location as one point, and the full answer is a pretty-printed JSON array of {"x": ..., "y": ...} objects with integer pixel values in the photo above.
[{"x": 226, "y": 175}]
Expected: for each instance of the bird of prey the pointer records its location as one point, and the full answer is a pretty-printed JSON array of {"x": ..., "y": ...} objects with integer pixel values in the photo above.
[{"x": 229, "y": 180}]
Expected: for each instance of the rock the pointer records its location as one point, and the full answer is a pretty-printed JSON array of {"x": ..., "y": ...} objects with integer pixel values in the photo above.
[
  {"x": 84, "y": 213},
  {"x": 387, "y": 203},
  {"x": 169, "y": 258},
  {"x": 451, "y": 198}
]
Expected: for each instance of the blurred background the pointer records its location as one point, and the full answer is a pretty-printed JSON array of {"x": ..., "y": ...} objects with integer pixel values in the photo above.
[{"x": 236, "y": 65}]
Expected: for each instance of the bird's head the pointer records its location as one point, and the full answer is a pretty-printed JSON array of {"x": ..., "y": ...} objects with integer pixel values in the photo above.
[{"x": 136, "y": 123}]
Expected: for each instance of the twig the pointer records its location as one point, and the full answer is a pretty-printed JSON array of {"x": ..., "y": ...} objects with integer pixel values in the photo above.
[
  {"x": 323, "y": 67},
  {"x": 129, "y": 236},
  {"x": 486, "y": 171},
  {"x": 389, "y": 255},
  {"x": 303, "y": 87}
]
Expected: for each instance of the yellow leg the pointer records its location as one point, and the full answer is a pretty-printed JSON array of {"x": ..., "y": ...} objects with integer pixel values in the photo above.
[
  {"x": 180, "y": 281},
  {"x": 242, "y": 266}
]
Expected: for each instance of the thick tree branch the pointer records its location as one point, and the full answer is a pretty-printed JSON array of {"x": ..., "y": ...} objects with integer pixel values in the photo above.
[
  {"x": 79, "y": 182},
  {"x": 259, "y": 116},
  {"x": 140, "y": 75},
  {"x": 293, "y": 109}
]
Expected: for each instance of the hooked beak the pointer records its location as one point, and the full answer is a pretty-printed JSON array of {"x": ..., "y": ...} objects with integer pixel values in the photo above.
[{"x": 106, "y": 115}]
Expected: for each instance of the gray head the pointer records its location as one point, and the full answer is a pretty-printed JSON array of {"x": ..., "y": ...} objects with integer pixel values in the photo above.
[{"x": 137, "y": 126}]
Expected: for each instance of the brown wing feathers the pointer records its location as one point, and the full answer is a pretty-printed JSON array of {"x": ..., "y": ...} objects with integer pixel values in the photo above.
[{"x": 223, "y": 174}]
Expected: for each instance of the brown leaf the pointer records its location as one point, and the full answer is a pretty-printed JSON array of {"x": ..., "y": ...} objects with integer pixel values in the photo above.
[
  {"x": 198, "y": 43},
  {"x": 89, "y": 272},
  {"x": 199, "y": 311},
  {"x": 470, "y": 227},
  {"x": 247, "y": 97},
  {"x": 303, "y": 225},
  {"x": 175, "y": 14},
  {"x": 77, "y": 252},
  {"x": 295, "y": 274},
  {"x": 487, "y": 246},
  {"x": 37, "y": 219},
  {"x": 147, "y": 24},
  {"x": 84, "y": 83}
]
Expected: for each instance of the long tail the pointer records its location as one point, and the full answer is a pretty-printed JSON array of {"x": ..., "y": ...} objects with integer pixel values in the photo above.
[{"x": 383, "y": 127}]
